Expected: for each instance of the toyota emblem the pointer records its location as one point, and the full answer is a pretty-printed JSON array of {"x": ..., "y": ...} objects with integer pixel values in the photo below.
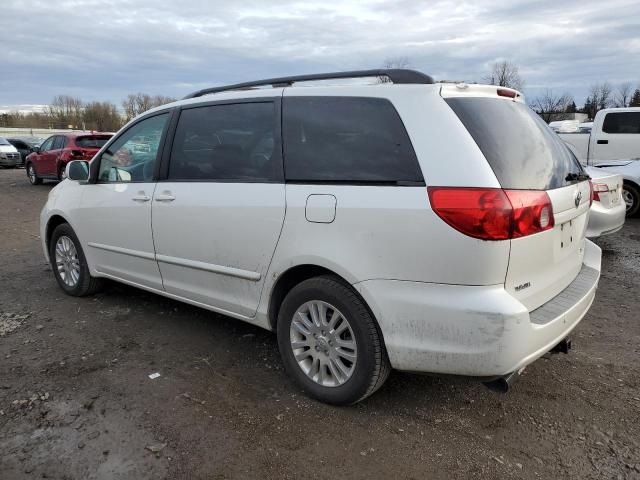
[{"x": 578, "y": 198}]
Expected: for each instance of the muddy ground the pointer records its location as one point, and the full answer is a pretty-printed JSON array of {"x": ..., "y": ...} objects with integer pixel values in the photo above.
[{"x": 76, "y": 401}]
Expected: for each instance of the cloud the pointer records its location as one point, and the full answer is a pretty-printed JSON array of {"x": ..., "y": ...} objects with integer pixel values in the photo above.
[{"x": 106, "y": 49}]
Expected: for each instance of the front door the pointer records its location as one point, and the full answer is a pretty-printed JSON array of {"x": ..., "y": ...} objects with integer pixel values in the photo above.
[
  {"x": 46, "y": 157},
  {"x": 115, "y": 210},
  {"x": 218, "y": 214},
  {"x": 620, "y": 137}
]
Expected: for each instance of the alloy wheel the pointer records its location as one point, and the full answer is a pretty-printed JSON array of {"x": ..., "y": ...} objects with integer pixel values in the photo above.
[
  {"x": 67, "y": 261},
  {"x": 323, "y": 343}
]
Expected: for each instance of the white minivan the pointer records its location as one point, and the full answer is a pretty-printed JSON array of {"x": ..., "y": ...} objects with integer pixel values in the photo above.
[{"x": 404, "y": 224}]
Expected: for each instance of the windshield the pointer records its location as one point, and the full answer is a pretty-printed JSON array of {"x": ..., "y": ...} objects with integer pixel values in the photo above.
[
  {"x": 522, "y": 150},
  {"x": 3, "y": 141},
  {"x": 93, "y": 141}
]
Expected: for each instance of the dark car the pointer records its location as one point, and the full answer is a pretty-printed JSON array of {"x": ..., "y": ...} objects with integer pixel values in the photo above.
[
  {"x": 25, "y": 146},
  {"x": 50, "y": 160}
]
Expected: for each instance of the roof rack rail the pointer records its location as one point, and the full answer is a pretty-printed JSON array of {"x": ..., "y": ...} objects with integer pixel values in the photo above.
[{"x": 396, "y": 75}]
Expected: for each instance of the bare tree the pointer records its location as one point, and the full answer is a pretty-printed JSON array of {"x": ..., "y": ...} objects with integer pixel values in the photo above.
[
  {"x": 65, "y": 111},
  {"x": 136, "y": 104},
  {"x": 623, "y": 95},
  {"x": 505, "y": 74},
  {"x": 101, "y": 116},
  {"x": 549, "y": 103}
]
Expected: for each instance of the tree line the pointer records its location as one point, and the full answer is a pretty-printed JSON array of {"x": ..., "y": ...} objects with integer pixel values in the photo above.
[
  {"x": 549, "y": 103},
  {"x": 70, "y": 112}
]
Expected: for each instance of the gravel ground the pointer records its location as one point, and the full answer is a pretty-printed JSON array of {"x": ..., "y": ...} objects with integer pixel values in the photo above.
[{"x": 76, "y": 401}]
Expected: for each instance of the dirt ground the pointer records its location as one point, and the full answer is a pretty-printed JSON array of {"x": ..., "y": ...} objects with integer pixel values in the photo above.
[{"x": 76, "y": 401}]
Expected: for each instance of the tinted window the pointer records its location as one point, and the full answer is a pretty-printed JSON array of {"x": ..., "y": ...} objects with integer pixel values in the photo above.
[
  {"x": 236, "y": 142},
  {"x": 346, "y": 139},
  {"x": 48, "y": 143},
  {"x": 522, "y": 150},
  {"x": 621, "y": 122},
  {"x": 59, "y": 143},
  {"x": 93, "y": 141},
  {"x": 132, "y": 156}
]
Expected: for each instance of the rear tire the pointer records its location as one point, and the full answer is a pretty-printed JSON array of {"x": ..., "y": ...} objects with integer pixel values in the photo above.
[
  {"x": 34, "y": 179},
  {"x": 322, "y": 340},
  {"x": 69, "y": 263},
  {"x": 631, "y": 196}
]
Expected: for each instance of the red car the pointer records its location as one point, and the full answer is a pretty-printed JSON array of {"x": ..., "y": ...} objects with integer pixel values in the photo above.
[{"x": 50, "y": 160}]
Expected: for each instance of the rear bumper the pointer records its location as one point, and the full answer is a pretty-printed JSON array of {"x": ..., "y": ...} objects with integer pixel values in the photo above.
[
  {"x": 604, "y": 221},
  {"x": 474, "y": 330}
]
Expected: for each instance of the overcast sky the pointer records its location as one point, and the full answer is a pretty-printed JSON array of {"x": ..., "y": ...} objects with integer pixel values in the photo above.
[{"x": 105, "y": 49}]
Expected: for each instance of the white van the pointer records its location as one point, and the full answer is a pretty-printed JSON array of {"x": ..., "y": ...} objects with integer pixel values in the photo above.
[{"x": 404, "y": 224}]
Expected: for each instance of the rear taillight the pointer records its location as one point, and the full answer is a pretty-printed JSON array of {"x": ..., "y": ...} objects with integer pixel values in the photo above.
[
  {"x": 596, "y": 190},
  {"x": 493, "y": 213}
]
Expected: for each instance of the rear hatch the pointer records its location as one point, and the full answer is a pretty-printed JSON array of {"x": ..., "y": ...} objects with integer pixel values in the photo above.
[
  {"x": 525, "y": 154},
  {"x": 86, "y": 146}
]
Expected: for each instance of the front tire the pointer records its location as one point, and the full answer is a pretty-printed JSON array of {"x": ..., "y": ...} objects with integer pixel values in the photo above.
[
  {"x": 330, "y": 343},
  {"x": 33, "y": 176},
  {"x": 631, "y": 196},
  {"x": 69, "y": 263}
]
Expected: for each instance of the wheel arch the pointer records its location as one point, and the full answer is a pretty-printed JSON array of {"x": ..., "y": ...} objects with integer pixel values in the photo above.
[
  {"x": 297, "y": 274},
  {"x": 54, "y": 221}
]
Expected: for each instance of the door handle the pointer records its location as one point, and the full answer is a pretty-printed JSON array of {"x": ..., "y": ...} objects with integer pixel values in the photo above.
[
  {"x": 603, "y": 142},
  {"x": 141, "y": 198},
  {"x": 165, "y": 197}
]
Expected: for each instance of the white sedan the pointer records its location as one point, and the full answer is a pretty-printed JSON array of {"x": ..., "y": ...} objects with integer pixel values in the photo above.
[
  {"x": 608, "y": 210},
  {"x": 630, "y": 171}
]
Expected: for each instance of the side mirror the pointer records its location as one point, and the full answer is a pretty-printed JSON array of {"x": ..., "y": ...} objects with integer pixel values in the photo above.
[{"x": 77, "y": 170}]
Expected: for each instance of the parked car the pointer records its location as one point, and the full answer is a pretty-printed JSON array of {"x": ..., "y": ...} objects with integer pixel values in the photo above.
[
  {"x": 409, "y": 225},
  {"x": 615, "y": 134},
  {"x": 9, "y": 156},
  {"x": 608, "y": 210},
  {"x": 25, "y": 146},
  {"x": 50, "y": 159},
  {"x": 630, "y": 171}
]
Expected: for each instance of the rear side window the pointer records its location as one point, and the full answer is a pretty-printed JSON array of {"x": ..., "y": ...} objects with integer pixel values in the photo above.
[
  {"x": 346, "y": 139},
  {"x": 522, "y": 150},
  {"x": 93, "y": 141},
  {"x": 59, "y": 142},
  {"x": 621, "y": 122},
  {"x": 234, "y": 142}
]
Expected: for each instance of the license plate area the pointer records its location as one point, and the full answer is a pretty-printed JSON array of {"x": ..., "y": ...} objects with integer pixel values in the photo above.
[{"x": 567, "y": 235}]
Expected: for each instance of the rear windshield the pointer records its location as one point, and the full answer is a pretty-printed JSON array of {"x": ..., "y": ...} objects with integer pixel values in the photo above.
[
  {"x": 93, "y": 141},
  {"x": 522, "y": 150}
]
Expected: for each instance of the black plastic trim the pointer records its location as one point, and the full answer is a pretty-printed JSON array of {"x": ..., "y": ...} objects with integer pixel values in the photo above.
[{"x": 396, "y": 75}]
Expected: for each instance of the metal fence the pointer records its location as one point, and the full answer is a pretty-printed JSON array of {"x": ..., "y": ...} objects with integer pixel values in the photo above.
[{"x": 32, "y": 132}]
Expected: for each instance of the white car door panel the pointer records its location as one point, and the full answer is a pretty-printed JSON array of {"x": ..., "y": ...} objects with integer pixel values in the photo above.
[{"x": 215, "y": 241}]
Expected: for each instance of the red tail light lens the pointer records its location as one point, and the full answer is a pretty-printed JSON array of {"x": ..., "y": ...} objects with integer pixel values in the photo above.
[
  {"x": 596, "y": 190},
  {"x": 503, "y": 92},
  {"x": 493, "y": 213}
]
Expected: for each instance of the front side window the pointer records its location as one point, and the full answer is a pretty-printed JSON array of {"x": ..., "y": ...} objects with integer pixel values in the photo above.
[
  {"x": 132, "y": 157},
  {"x": 48, "y": 143},
  {"x": 621, "y": 122},
  {"x": 229, "y": 142},
  {"x": 346, "y": 139}
]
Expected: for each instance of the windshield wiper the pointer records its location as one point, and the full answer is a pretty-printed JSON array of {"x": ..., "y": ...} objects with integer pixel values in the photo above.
[{"x": 577, "y": 177}]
